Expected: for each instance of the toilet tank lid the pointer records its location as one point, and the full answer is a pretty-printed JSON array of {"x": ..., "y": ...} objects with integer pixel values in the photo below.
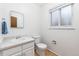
[{"x": 36, "y": 36}]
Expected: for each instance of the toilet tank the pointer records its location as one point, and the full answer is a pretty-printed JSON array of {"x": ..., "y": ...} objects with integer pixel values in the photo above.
[{"x": 37, "y": 38}]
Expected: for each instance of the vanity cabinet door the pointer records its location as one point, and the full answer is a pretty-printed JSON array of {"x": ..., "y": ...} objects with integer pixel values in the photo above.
[
  {"x": 28, "y": 45},
  {"x": 28, "y": 52}
]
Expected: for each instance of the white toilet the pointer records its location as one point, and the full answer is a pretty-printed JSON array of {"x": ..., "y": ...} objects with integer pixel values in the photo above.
[{"x": 40, "y": 47}]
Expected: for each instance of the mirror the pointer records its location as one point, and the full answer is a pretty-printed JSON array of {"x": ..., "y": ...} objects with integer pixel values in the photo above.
[{"x": 16, "y": 19}]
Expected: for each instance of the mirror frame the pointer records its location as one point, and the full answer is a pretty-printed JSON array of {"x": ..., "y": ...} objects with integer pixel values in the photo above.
[{"x": 15, "y": 12}]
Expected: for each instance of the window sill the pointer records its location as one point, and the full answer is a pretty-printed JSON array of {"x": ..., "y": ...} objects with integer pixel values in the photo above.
[{"x": 61, "y": 28}]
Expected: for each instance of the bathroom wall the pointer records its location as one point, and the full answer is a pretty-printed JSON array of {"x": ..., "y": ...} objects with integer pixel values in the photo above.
[
  {"x": 31, "y": 18},
  {"x": 67, "y": 40}
]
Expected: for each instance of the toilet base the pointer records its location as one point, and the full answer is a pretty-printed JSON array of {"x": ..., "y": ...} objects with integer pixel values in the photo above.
[{"x": 40, "y": 52}]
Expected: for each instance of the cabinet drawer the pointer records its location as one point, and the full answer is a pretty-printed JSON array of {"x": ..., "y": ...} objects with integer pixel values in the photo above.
[
  {"x": 12, "y": 51},
  {"x": 28, "y": 45},
  {"x": 29, "y": 52},
  {"x": 0, "y": 53},
  {"x": 17, "y": 54}
]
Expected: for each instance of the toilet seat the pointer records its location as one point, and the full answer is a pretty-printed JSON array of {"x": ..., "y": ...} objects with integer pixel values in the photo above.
[{"x": 41, "y": 45}]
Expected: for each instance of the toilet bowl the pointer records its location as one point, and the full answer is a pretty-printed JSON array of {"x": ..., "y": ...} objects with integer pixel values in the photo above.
[{"x": 40, "y": 47}]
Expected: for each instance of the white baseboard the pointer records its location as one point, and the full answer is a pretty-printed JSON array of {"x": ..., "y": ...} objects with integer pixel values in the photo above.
[{"x": 54, "y": 52}]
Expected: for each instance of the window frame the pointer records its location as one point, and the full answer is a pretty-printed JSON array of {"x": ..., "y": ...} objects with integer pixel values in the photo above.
[{"x": 59, "y": 8}]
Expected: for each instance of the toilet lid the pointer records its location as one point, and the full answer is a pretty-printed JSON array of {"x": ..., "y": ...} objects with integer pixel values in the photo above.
[{"x": 41, "y": 45}]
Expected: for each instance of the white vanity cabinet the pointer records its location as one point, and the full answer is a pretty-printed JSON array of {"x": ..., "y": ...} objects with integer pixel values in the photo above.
[{"x": 24, "y": 49}]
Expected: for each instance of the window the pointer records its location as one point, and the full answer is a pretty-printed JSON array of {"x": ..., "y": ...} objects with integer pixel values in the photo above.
[
  {"x": 55, "y": 18},
  {"x": 66, "y": 16},
  {"x": 62, "y": 16}
]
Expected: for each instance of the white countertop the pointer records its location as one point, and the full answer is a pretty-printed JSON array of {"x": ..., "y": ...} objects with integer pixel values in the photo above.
[{"x": 14, "y": 42}]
